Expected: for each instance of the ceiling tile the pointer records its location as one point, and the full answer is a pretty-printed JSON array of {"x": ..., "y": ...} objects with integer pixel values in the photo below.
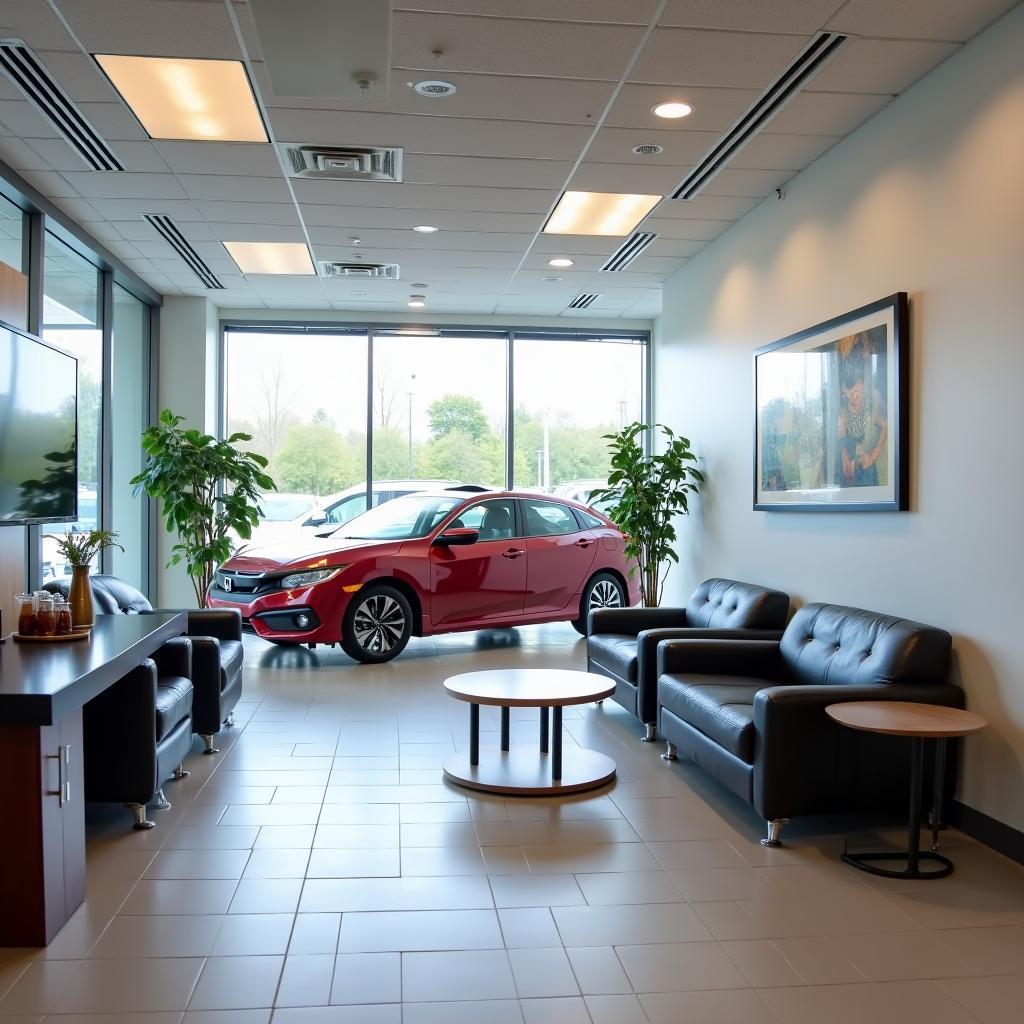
[
  {"x": 694, "y": 230},
  {"x": 825, "y": 113},
  {"x": 36, "y": 24},
  {"x": 798, "y": 16},
  {"x": 23, "y": 157},
  {"x": 680, "y": 148},
  {"x": 500, "y": 46},
  {"x": 243, "y": 188},
  {"x": 131, "y": 209},
  {"x": 248, "y": 213},
  {"x": 643, "y": 179},
  {"x": 738, "y": 60},
  {"x": 162, "y": 28},
  {"x": 483, "y": 172},
  {"x": 880, "y": 65},
  {"x": 752, "y": 183},
  {"x": 405, "y": 220},
  {"x": 636, "y": 12},
  {"x": 782, "y": 152},
  {"x": 432, "y": 197},
  {"x": 714, "y": 110},
  {"x": 918, "y": 19},
  {"x": 79, "y": 76},
  {"x": 707, "y": 207},
  {"x": 676, "y": 247},
  {"x": 219, "y": 158},
  {"x": 23, "y": 120},
  {"x": 113, "y": 121},
  {"x": 117, "y": 185}
]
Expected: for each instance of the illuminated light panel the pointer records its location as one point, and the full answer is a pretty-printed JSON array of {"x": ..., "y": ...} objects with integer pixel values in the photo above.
[
  {"x": 599, "y": 213},
  {"x": 672, "y": 111},
  {"x": 271, "y": 257},
  {"x": 182, "y": 98}
]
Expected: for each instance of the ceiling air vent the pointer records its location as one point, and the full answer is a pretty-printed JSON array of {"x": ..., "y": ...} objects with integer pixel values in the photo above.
[
  {"x": 584, "y": 300},
  {"x": 648, "y": 149},
  {"x": 386, "y": 270},
  {"x": 345, "y": 163},
  {"x": 435, "y": 89},
  {"x": 26, "y": 71},
  {"x": 818, "y": 53},
  {"x": 169, "y": 230},
  {"x": 629, "y": 250}
]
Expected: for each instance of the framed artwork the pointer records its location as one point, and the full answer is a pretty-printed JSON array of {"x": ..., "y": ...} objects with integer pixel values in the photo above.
[{"x": 832, "y": 404}]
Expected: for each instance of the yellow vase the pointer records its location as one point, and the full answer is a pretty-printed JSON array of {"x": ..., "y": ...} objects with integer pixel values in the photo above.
[{"x": 80, "y": 597}]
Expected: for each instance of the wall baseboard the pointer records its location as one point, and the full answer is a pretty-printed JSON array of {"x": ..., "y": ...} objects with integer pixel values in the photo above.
[{"x": 1001, "y": 837}]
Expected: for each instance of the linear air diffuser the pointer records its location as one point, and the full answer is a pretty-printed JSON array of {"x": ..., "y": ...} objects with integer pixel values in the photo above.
[
  {"x": 629, "y": 250},
  {"x": 584, "y": 300},
  {"x": 169, "y": 231}
]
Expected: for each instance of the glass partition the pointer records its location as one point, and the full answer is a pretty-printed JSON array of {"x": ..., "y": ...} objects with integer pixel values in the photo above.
[{"x": 13, "y": 269}]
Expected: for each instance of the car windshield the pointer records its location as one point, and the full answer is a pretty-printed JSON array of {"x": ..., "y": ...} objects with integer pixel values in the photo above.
[
  {"x": 280, "y": 508},
  {"x": 414, "y": 515}
]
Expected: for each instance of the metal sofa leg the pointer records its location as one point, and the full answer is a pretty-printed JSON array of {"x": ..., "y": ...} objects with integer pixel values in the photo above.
[
  {"x": 230, "y": 720},
  {"x": 208, "y": 747},
  {"x": 774, "y": 832},
  {"x": 141, "y": 822},
  {"x": 180, "y": 773},
  {"x": 160, "y": 801},
  {"x": 650, "y": 733},
  {"x": 670, "y": 752},
  {"x": 599, "y": 703}
]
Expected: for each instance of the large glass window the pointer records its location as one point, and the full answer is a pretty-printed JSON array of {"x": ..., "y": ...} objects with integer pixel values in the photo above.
[
  {"x": 568, "y": 394},
  {"x": 71, "y": 321},
  {"x": 129, "y": 415},
  {"x": 13, "y": 271},
  {"x": 302, "y": 397},
  {"x": 439, "y": 408}
]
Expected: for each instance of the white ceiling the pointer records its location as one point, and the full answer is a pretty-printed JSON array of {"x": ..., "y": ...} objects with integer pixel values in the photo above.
[{"x": 552, "y": 94}]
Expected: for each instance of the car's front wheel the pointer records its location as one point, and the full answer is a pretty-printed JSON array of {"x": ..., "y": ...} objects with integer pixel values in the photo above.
[
  {"x": 602, "y": 591},
  {"x": 377, "y": 625}
]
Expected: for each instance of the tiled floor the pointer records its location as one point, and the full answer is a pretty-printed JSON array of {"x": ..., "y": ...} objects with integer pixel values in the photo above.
[{"x": 319, "y": 871}]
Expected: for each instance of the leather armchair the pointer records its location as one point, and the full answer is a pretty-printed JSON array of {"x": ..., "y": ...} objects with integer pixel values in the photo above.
[
  {"x": 752, "y": 713},
  {"x": 216, "y": 636},
  {"x": 622, "y": 643},
  {"x": 138, "y": 731}
]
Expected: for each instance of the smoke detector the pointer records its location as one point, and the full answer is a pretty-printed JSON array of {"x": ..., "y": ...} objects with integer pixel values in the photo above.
[
  {"x": 345, "y": 163},
  {"x": 648, "y": 149},
  {"x": 435, "y": 89}
]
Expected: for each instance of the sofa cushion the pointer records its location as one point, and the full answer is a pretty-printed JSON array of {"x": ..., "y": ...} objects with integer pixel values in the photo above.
[
  {"x": 173, "y": 703},
  {"x": 721, "y": 707},
  {"x": 829, "y": 644},
  {"x": 231, "y": 653},
  {"x": 729, "y": 604},
  {"x": 615, "y": 652}
]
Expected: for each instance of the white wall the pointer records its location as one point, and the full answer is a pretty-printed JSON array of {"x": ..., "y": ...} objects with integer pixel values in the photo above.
[
  {"x": 928, "y": 197},
  {"x": 188, "y": 387}
]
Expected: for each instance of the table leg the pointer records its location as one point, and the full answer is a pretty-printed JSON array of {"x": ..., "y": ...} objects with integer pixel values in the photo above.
[
  {"x": 504, "y": 728},
  {"x": 937, "y": 795},
  {"x": 556, "y": 744},
  {"x": 914, "y": 854},
  {"x": 474, "y": 733},
  {"x": 544, "y": 730}
]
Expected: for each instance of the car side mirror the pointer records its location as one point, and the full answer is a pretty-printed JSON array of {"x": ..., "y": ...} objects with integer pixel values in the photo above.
[
  {"x": 317, "y": 519},
  {"x": 458, "y": 536}
]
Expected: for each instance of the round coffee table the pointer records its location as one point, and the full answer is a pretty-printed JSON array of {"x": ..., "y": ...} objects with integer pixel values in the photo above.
[
  {"x": 919, "y": 722},
  {"x": 522, "y": 771}
]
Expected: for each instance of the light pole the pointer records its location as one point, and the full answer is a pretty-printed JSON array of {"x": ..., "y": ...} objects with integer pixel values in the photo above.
[{"x": 410, "y": 394}]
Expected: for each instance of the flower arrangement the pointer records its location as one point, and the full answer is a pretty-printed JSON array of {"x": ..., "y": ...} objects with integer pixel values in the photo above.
[{"x": 81, "y": 547}]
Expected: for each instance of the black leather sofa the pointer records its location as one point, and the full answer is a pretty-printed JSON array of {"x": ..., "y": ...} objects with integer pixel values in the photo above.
[
  {"x": 622, "y": 643},
  {"x": 752, "y": 712},
  {"x": 138, "y": 731},
  {"x": 217, "y": 654}
]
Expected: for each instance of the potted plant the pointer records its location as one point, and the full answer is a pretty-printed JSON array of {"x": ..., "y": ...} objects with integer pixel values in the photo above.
[
  {"x": 645, "y": 493},
  {"x": 80, "y": 548},
  {"x": 208, "y": 489}
]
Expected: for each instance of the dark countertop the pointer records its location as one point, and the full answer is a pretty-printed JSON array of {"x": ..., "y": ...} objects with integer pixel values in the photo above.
[{"x": 41, "y": 683}]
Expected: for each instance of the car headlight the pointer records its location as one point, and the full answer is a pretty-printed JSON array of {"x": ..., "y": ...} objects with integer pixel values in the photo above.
[{"x": 307, "y": 579}]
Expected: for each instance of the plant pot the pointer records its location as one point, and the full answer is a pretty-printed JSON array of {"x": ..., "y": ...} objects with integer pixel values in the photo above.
[{"x": 80, "y": 597}]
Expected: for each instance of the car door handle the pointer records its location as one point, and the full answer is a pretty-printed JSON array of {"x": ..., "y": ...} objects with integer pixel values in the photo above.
[
  {"x": 513, "y": 553},
  {"x": 583, "y": 543}
]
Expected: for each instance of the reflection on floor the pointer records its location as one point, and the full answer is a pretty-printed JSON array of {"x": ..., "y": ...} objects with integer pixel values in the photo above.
[{"x": 318, "y": 864}]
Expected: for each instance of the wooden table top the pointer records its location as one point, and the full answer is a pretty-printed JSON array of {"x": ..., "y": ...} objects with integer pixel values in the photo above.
[
  {"x": 905, "y": 718},
  {"x": 529, "y": 687}
]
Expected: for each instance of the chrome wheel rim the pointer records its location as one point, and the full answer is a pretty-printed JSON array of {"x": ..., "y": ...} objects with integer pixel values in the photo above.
[
  {"x": 605, "y": 595},
  {"x": 378, "y": 624}
]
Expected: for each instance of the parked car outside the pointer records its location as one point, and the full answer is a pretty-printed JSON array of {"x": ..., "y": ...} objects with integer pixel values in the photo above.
[
  {"x": 440, "y": 561},
  {"x": 580, "y": 490},
  {"x": 318, "y": 514}
]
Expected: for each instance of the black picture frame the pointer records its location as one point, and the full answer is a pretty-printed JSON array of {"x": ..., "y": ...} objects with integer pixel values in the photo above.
[{"x": 832, "y": 414}]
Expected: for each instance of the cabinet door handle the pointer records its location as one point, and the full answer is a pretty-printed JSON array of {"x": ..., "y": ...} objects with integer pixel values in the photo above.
[{"x": 63, "y": 790}]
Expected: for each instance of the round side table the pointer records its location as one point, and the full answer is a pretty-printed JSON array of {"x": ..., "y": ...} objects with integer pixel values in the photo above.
[
  {"x": 521, "y": 771},
  {"x": 918, "y": 722}
]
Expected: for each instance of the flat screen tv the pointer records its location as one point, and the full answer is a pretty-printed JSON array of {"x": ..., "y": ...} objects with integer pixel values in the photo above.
[{"x": 38, "y": 431}]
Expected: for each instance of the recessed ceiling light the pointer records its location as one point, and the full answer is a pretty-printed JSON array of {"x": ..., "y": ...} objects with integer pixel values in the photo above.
[
  {"x": 417, "y": 301},
  {"x": 561, "y": 261},
  {"x": 181, "y": 98},
  {"x": 426, "y": 229},
  {"x": 599, "y": 213},
  {"x": 671, "y": 110},
  {"x": 271, "y": 257}
]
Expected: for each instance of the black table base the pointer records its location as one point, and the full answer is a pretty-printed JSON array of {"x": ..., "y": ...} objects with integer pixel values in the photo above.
[{"x": 914, "y": 856}]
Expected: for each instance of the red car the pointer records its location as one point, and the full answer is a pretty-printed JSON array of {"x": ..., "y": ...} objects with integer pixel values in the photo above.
[{"x": 433, "y": 562}]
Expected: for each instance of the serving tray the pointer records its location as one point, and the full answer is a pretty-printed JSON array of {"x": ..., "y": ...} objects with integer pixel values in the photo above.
[{"x": 55, "y": 639}]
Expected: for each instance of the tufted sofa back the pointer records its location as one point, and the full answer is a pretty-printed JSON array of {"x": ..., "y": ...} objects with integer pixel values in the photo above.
[
  {"x": 832, "y": 644},
  {"x": 109, "y": 595},
  {"x": 727, "y": 604}
]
